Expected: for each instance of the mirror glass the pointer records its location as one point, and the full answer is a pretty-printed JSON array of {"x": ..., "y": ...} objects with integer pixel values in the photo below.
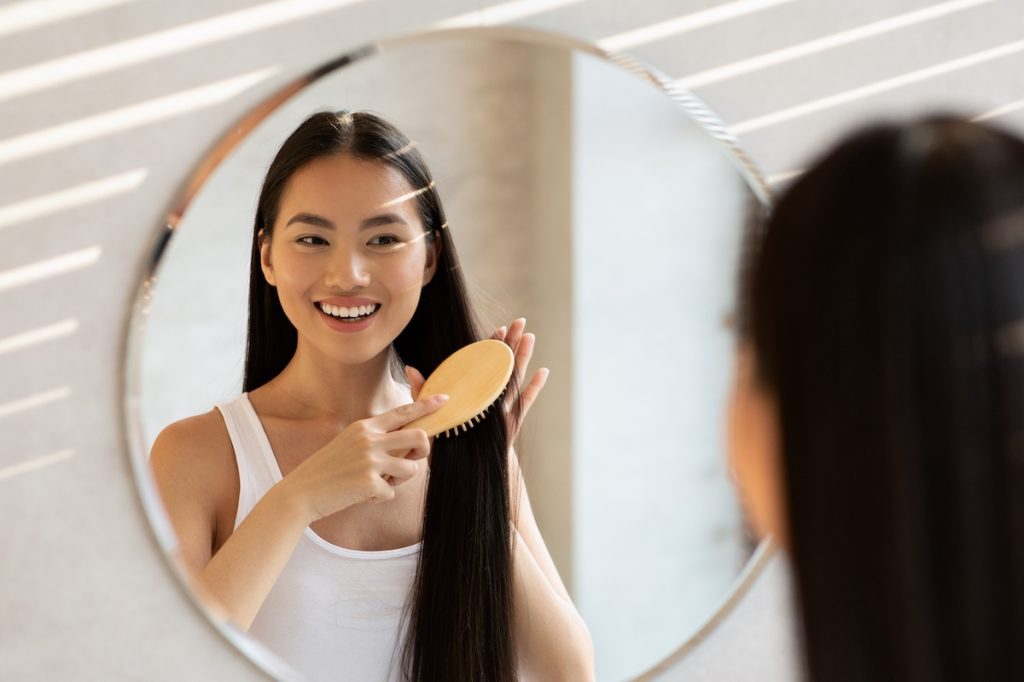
[{"x": 582, "y": 196}]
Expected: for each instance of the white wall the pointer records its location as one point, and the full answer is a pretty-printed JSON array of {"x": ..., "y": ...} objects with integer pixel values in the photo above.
[
  {"x": 79, "y": 106},
  {"x": 657, "y": 211}
]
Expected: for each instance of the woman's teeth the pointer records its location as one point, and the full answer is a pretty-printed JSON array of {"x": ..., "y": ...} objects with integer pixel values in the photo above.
[{"x": 349, "y": 313}]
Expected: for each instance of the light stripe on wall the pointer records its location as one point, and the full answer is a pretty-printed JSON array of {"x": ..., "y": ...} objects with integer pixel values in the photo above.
[
  {"x": 1007, "y": 108},
  {"x": 685, "y": 23},
  {"x": 50, "y": 267},
  {"x": 132, "y": 116},
  {"x": 824, "y": 103},
  {"x": 503, "y": 13},
  {"x": 36, "y": 463},
  {"x": 811, "y": 47},
  {"x": 79, "y": 195},
  {"x": 22, "y": 16},
  {"x": 33, "y": 401},
  {"x": 161, "y": 44},
  {"x": 39, "y": 335}
]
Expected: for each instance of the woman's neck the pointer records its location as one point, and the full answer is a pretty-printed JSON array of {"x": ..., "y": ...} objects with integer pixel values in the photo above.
[{"x": 313, "y": 387}]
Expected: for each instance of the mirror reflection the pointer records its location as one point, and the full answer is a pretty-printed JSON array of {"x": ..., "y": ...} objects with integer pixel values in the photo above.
[{"x": 559, "y": 188}]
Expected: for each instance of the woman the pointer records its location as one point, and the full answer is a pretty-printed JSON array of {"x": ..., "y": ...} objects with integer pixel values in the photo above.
[
  {"x": 302, "y": 506},
  {"x": 877, "y": 424}
]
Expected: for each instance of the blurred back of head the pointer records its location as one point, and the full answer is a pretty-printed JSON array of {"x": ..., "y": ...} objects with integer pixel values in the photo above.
[{"x": 884, "y": 301}]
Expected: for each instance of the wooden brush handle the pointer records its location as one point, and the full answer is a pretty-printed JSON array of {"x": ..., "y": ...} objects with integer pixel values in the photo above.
[{"x": 473, "y": 377}]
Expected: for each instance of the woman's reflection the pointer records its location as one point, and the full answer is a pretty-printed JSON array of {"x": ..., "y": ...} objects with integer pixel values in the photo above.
[{"x": 300, "y": 505}]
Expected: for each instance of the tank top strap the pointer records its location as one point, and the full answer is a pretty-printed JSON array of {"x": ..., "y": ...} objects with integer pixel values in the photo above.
[{"x": 258, "y": 470}]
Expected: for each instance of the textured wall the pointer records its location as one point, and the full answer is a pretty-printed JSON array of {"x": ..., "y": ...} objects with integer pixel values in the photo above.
[{"x": 103, "y": 112}]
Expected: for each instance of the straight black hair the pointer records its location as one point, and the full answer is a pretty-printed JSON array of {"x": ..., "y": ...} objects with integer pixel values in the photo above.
[
  {"x": 885, "y": 304},
  {"x": 460, "y": 612}
]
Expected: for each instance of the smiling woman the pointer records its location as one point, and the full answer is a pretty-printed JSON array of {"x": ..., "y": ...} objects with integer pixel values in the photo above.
[
  {"x": 581, "y": 197},
  {"x": 338, "y": 241},
  {"x": 462, "y": 586}
]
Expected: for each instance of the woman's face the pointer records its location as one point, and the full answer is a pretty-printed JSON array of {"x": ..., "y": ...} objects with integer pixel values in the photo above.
[
  {"x": 754, "y": 449},
  {"x": 347, "y": 241}
]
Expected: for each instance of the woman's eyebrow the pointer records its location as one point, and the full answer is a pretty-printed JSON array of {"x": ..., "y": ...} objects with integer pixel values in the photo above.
[
  {"x": 310, "y": 219},
  {"x": 382, "y": 219},
  {"x": 320, "y": 221}
]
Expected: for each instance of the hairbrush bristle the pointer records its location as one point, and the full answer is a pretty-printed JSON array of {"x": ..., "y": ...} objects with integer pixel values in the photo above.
[
  {"x": 466, "y": 426},
  {"x": 475, "y": 419}
]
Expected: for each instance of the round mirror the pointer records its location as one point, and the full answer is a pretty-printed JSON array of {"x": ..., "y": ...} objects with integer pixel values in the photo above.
[{"x": 584, "y": 194}]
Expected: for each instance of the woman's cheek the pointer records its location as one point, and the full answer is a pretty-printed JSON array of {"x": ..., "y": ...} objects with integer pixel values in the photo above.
[
  {"x": 409, "y": 279},
  {"x": 292, "y": 285},
  {"x": 291, "y": 273}
]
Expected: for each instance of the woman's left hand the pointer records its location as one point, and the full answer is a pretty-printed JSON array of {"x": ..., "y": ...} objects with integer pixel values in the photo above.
[{"x": 522, "y": 345}]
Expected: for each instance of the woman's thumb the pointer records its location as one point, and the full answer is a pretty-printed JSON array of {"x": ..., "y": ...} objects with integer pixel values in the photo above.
[{"x": 416, "y": 380}]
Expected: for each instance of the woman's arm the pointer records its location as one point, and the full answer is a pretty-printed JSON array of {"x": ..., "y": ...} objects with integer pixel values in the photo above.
[
  {"x": 192, "y": 476},
  {"x": 553, "y": 641}
]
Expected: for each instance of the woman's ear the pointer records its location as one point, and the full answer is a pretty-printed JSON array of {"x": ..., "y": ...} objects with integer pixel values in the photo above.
[
  {"x": 755, "y": 457},
  {"x": 268, "y": 269},
  {"x": 433, "y": 256}
]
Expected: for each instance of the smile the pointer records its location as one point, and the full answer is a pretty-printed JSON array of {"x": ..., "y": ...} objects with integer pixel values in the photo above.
[{"x": 353, "y": 314}]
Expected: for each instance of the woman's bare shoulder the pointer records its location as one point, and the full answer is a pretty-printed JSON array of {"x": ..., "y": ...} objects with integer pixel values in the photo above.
[
  {"x": 199, "y": 444},
  {"x": 193, "y": 463}
]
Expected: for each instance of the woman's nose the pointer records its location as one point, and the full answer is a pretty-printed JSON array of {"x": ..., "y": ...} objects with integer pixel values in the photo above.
[{"x": 347, "y": 270}]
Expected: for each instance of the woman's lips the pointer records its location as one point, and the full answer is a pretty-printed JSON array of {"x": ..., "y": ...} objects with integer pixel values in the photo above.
[{"x": 341, "y": 325}]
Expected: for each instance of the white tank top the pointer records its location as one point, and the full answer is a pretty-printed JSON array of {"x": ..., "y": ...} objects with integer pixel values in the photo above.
[{"x": 335, "y": 613}]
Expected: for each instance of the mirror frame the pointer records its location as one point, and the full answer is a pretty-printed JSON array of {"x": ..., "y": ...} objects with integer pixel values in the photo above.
[{"x": 131, "y": 408}]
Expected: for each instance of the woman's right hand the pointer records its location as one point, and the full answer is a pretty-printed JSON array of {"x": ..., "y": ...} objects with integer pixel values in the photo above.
[{"x": 364, "y": 462}]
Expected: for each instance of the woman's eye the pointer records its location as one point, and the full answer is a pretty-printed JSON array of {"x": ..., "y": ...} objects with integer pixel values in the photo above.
[
  {"x": 384, "y": 240},
  {"x": 302, "y": 240}
]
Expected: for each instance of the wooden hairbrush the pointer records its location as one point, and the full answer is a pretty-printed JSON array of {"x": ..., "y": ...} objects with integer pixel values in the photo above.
[{"x": 473, "y": 377}]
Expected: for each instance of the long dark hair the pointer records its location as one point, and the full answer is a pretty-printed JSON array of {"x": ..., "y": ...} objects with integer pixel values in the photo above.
[
  {"x": 885, "y": 303},
  {"x": 460, "y": 610}
]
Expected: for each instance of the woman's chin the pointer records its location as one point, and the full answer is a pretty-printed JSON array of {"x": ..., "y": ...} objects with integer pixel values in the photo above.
[{"x": 355, "y": 357}]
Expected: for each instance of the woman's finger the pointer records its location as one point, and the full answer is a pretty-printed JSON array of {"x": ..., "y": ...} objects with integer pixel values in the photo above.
[
  {"x": 499, "y": 334},
  {"x": 515, "y": 333},
  {"x": 382, "y": 492},
  {"x": 522, "y": 361},
  {"x": 402, "y": 415},
  {"x": 403, "y": 447},
  {"x": 416, "y": 380},
  {"x": 397, "y": 470},
  {"x": 407, "y": 444},
  {"x": 531, "y": 392},
  {"x": 523, "y": 354}
]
